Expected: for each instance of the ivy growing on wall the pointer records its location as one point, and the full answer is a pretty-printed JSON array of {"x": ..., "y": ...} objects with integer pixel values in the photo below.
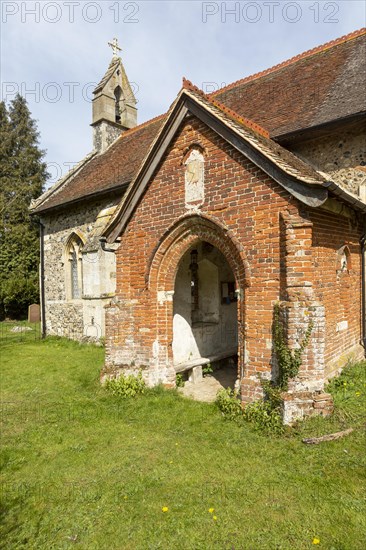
[
  {"x": 289, "y": 361},
  {"x": 266, "y": 415}
]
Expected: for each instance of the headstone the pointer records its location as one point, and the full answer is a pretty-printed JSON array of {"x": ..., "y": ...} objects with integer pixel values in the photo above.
[
  {"x": 20, "y": 329},
  {"x": 34, "y": 313}
]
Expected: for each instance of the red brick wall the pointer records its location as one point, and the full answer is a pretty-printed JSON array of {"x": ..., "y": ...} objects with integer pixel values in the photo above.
[
  {"x": 339, "y": 291},
  {"x": 245, "y": 207},
  {"x": 238, "y": 196}
]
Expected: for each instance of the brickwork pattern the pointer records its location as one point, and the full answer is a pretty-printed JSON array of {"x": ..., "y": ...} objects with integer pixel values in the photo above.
[
  {"x": 273, "y": 245},
  {"x": 242, "y": 201},
  {"x": 339, "y": 291}
]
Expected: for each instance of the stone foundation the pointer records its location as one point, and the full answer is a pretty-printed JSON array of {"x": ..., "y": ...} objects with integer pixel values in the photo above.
[
  {"x": 151, "y": 377},
  {"x": 296, "y": 406},
  {"x": 351, "y": 355}
]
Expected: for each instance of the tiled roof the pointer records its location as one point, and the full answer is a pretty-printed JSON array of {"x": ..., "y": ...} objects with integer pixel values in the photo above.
[
  {"x": 294, "y": 169},
  {"x": 315, "y": 87},
  {"x": 187, "y": 84},
  {"x": 284, "y": 159},
  {"x": 113, "y": 169}
]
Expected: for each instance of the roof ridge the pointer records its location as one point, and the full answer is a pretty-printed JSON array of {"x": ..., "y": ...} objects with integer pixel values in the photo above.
[
  {"x": 292, "y": 60},
  {"x": 139, "y": 126},
  {"x": 108, "y": 73},
  {"x": 57, "y": 186},
  {"x": 187, "y": 84}
]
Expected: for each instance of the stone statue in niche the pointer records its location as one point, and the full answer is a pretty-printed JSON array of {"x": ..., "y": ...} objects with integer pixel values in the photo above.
[
  {"x": 343, "y": 262},
  {"x": 194, "y": 179}
]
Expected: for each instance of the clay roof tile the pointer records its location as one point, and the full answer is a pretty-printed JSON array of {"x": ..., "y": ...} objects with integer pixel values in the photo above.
[{"x": 315, "y": 87}]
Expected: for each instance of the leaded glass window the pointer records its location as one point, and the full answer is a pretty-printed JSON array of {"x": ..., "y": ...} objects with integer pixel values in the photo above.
[{"x": 75, "y": 288}]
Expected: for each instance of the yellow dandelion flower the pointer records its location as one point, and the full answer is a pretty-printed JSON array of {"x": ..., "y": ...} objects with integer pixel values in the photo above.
[
  {"x": 164, "y": 509},
  {"x": 316, "y": 540},
  {"x": 211, "y": 510},
  {"x": 214, "y": 518},
  {"x": 358, "y": 393}
]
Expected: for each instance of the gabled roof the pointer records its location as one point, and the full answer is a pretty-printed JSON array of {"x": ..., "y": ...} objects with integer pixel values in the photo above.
[
  {"x": 281, "y": 165},
  {"x": 111, "y": 171},
  {"x": 257, "y": 137},
  {"x": 313, "y": 88},
  {"x": 317, "y": 87},
  {"x": 112, "y": 67}
]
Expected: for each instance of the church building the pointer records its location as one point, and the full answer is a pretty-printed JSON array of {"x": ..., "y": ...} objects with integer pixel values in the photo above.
[{"x": 175, "y": 241}]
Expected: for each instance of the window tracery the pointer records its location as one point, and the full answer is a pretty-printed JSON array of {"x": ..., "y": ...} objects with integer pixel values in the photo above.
[{"x": 74, "y": 267}]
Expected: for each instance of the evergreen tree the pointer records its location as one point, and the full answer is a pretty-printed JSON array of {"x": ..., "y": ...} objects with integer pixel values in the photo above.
[{"x": 22, "y": 177}]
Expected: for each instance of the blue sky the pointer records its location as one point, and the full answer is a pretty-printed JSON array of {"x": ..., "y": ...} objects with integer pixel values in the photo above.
[{"x": 54, "y": 52}]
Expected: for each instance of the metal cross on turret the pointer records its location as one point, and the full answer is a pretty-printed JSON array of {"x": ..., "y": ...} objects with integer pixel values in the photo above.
[{"x": 115, "y": 47}]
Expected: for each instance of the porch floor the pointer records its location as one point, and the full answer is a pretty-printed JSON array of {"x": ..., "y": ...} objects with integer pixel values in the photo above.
[{"x": 206, "y": 389}]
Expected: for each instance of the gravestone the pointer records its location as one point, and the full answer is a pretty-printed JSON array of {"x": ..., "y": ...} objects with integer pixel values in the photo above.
[{"x": 34, "y": 313}]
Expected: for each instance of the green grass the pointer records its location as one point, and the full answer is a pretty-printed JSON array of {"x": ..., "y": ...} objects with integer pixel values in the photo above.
[{"x": 83, "y": 469}]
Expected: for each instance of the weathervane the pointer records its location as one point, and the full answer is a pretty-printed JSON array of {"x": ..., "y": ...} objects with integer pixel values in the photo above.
[{"x": 115, "y": 47}]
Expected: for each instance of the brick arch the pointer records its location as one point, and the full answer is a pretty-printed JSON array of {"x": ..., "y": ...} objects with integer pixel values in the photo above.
[
  {"x": 163, "y": 267},
  {"x": 164, "y": 260}
]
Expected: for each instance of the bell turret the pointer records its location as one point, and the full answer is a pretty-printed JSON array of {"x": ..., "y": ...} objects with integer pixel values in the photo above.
[{"x": 114, "y": 104}]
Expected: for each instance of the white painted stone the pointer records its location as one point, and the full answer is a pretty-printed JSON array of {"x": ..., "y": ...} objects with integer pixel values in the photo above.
[
  {"x": 291, "y": 413},
  {"x": 342, "y": 325},
  {"x": 184, "y": 344},
  {"x": 195, "y": 374},
  {"x": 165, "y": 296},
  {"x": 161, "y": 375},
  {"x": 155, "y": 349}
]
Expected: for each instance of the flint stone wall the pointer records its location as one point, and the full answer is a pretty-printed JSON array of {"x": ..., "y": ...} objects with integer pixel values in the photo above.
[
  {"x": 342, "y": 156},
  {"x": 81, "y": 319}
]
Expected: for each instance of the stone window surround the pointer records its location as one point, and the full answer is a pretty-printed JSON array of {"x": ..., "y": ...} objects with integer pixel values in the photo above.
[{"x": 74, "y": 243}]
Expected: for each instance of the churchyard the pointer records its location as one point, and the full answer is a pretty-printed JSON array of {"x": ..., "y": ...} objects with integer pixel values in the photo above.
[{"x": 82, "y": 468}]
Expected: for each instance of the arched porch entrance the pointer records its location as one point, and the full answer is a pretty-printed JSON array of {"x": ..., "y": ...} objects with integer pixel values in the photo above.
[
  {"x": 199, "y": 274},
  {"x": 205, "y": 310}
]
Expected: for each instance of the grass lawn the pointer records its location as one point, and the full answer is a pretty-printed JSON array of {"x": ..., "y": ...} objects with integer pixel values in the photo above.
[{"x": 83, "y": 469}]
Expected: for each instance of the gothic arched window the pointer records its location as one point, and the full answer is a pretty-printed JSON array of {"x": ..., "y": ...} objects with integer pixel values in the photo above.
[{"x": 74, "y": 267}]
